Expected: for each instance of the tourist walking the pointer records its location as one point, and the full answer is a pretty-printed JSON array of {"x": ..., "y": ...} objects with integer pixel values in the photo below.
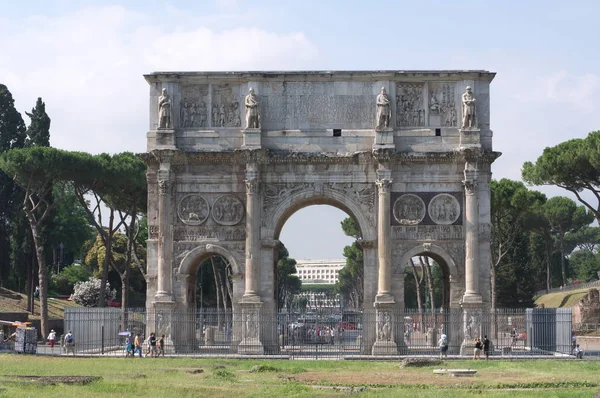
[
  {"x": 69, "y": 343},
  {"x": 486, "y": 347},
  {"x": 129, "y": 347},
  {"x": 152, "y": 351},
  {"x": 51, "y": 339}
]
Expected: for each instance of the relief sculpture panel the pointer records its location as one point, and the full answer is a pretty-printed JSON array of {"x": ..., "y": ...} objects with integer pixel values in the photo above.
[
  {"x": 193, "y": 106},
  {"x": 227, "y": 210},
  {"x": 193, "y": 209},
  {"x": 410, "y": 110},
  {"x": 225, "y": 108},
  {"x": 409, "y": 209},
  {"x": 444, "y": 209},
  {"x": 442, "y": 105}
]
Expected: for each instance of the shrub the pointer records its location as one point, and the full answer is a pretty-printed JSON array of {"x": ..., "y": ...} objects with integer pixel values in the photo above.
[{"x": 87, "y": 293}]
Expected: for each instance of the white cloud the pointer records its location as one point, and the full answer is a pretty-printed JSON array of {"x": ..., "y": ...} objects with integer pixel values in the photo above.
[{"x": 88, "y": 66}]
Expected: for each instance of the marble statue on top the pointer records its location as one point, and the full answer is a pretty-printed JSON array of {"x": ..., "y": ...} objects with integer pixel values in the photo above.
[
  {"x": 469, "y": 119},
  {"x": 252, "y": 110},
  {"x": 164, "y": 110},
  {"x": 383, "y": 109}
]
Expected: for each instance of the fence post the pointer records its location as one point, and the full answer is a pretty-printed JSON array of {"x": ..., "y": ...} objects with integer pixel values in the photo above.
[{"x": 102, "y": 335}]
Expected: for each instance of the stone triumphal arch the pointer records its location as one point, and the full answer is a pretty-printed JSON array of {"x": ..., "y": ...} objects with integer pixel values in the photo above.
[{"x": 231, "y": 155}]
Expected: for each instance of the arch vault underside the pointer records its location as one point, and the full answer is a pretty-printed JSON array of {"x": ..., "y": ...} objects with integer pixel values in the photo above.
[{"x": 232, "y": 156}]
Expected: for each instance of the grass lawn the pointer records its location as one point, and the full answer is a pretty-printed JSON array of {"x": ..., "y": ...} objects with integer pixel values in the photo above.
[
  {"x": 181, "y": 377},
  {"x": 17, "y": 302},
  {"x": 561, "y": 299}
]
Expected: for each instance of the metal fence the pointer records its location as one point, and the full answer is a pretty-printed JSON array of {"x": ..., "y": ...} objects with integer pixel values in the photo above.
[
  {"x": 326, "y": 332},
  {"x": 576, "y": 286}
]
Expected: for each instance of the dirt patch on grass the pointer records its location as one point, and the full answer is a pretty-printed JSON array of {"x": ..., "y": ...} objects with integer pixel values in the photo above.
[
  {"x": 427, "y": 377},
  {"x": 51, "y": 380}
]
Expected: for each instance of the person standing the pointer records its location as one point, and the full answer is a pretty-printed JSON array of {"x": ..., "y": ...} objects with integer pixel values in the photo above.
[
  {"x": 161, "y": 346},
  {"x": 443, "y": 344},
  {"x": 477, "y": 349},
  {"x": 51, "y": 339},
  {"x": 486, "y": 347},
  {"x": 137, "y": 344},
  {"x": 152, "y": 344}
]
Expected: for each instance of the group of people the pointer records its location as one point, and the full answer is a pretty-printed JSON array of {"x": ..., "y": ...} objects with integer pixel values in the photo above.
[
  {"x": 154, "y": 347},
  {"x": 68, "y": 341},
  {"x": 478, "y": 345}
]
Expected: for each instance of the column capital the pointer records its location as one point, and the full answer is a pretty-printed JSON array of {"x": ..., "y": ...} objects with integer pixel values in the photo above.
[
  {"x": 470, "y": 181},
  {"x": 164, "y": 156},
  {"x": 384, "y": 185}
]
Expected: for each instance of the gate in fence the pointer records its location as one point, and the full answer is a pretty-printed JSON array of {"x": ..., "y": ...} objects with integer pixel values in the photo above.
[{"x": 325, "y": 334}]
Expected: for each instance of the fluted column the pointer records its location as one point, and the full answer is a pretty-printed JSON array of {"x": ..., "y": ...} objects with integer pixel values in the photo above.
[
  {"x": 164, "y": 291},
  {"x": 252, "y": 231},
  {"x": 472, "y": 293},
  {"x": 384, "y": 251}
]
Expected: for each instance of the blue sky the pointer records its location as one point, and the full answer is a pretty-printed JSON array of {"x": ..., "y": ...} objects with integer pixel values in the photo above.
[{"x": 86, "y": 59}]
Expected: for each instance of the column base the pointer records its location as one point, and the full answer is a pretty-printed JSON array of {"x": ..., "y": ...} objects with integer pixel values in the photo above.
[
  {"x": 384, "y": 299},
  {"x": 472, "y": 317},
  {"x": 384, "y": 348},
  {"x": 163, "y": 297},
  {"x": 472, "y": 299},
  {"x": 250, "y": 343}
]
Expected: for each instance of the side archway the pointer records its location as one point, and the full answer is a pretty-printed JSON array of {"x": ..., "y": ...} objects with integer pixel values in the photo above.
[{"x": 194, "y": 257}]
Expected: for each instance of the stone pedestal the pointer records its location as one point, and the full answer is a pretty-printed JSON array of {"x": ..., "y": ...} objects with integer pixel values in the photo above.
[
  {"x": 384, "y": 138},
  {"x": 165, "y": 139},
  {"x": 162, "y": 320},
  {"x": 471, "y": 322},
  {"x": 252, "y": 138},
  {"x": 251, "y": 322},
  {"x": 470, "y": 138},
  {"x": 385, "y": 329}
]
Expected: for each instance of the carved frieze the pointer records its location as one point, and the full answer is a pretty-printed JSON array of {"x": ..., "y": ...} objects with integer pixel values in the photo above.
[
  {"x": 410, "y": 110},
  {"x": 384, "y": 325},
  {"x": 193, "y": 108},
  {"x": 227, "y": 210},
  {"x": 428, "y": 232},
  {"x": 409, "y": 209},
  {"x": 442, "y": 106},
  {"x": 193, "y": 209},
  {"x": 194, "y": 234},
  {"x": 362, "y": 194},
  {"x": 226, "y": 108},
  {"x": 251, "y": 324},
  {"x": 444, "y": 209}
]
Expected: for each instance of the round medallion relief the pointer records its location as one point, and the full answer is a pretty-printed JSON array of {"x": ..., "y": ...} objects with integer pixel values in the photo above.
[
  {"x": 227, "y": 210},
  {"x": 409, "y": 209},
  {"x": 193, "y": 209},
  {"x": 444, "y": 209}
]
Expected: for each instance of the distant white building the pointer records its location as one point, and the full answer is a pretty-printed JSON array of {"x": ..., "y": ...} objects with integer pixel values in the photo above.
[{"x": 319, "y": 272}]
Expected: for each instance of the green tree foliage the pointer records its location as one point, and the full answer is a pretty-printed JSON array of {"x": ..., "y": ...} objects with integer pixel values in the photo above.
[
  {"x": 513, "y": 211},
  {"x": 586, "y": 238},
  {"x": 351, "y": 278},
  {"x": 39, "y": 170},
  {"x": 113, "y": 184},
  {"x": 586, "y": 265},
  {"x": 63, "y": 283},
  {"x": 565, "y": 216},
  {"x": 12, "y": 135},
  {"x": 288, "y": 283},
  {"x": 38, "y": 132},
  {"x": 573, "y": 165}
]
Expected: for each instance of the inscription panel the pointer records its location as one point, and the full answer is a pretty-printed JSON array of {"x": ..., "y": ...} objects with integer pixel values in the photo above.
[
  {"x": 428, "y": 232},
  {"x": 292, "y": 105}
]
